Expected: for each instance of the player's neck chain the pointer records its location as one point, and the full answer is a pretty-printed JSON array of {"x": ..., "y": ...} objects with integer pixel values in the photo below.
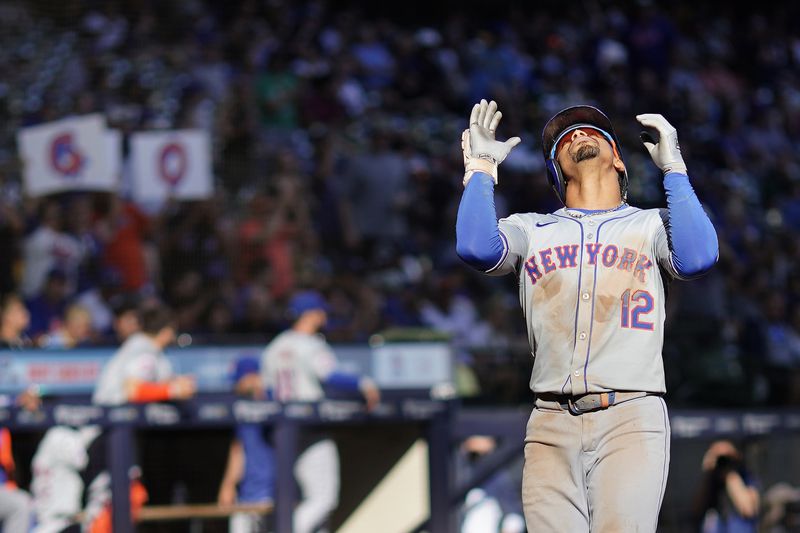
[{"x": 578, "y": 214}]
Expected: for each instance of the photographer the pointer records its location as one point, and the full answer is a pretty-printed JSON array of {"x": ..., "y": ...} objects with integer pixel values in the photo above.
[{"x": 727, "y": 498}]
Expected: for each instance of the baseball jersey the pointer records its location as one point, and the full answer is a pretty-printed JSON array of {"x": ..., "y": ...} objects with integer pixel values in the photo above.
[
  {"x": 138, "y": 358},
  {"x": 258, "y": 480},
  {"x": 56, "y": 484},
  {"x": 592, "y": 292},
  {"x": 294, "y": 364}
]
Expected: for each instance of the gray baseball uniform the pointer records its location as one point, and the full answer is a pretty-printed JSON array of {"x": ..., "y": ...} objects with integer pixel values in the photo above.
[
  {"x": 138, "y": 358},
  {"x": 593, "y": 298},
  {"x": 56, "y": 484},
  {"x": 592, "y": 287},
  {"x": 15, "y": 510},
  {"x": 293, "y": 366}
]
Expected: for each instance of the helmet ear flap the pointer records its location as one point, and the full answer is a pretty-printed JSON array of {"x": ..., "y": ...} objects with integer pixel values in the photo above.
[{"x": 556, "y": 179}]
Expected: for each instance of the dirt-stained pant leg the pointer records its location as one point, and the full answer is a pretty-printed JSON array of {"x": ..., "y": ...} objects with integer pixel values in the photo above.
[
  {"x": 553, "y": 490},
  {"x": 627, "y": 461}
]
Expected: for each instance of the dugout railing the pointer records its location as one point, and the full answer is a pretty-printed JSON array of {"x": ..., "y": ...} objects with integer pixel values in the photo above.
[
  {"x": 445, "y": 423},
  {"x": 224, "y": 411}
]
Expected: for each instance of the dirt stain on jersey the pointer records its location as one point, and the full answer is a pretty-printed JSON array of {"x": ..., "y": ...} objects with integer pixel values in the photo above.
[
  {"x": 555, "y": 298},
  {"x": 611, "y": 285},
  {"x": 552, "y": 288}
]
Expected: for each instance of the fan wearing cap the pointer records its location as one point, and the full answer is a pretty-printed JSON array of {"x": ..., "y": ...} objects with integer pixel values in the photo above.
[
  {"x": 295, "y": 366},
  {"x": 592, "y": 279}
]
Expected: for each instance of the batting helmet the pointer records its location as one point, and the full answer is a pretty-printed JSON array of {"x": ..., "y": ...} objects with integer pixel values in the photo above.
[{"x": 561, "y": 124}]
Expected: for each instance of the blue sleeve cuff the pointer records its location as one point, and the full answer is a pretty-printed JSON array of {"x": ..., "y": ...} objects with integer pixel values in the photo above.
[
  {"x": 693, "y": 239},
  {"x": 479, "y": 242},
  {"x": 343, "y": 381}
]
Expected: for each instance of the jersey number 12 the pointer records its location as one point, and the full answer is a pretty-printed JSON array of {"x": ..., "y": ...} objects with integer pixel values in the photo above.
[{"x": 633, "y": 307}]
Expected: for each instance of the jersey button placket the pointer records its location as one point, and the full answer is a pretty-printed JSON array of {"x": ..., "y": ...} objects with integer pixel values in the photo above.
[{"x": 582, "y": 322}]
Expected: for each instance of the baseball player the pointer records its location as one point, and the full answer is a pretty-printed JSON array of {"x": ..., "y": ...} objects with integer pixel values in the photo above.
[
  {"x": 15, "y": 504},
  {"x": 592, "y": 278},
  {"x": 137, "y": 373},
  {"x": 294, "y": 367},
  {"x": 250, "y": 471},
  {"x": 56, "y": 482}
]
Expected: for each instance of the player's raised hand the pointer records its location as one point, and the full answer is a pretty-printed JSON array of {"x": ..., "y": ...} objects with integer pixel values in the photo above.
[
  {"x": 665, "y": 150},
  {"x": 482, "y": 152},
  {"x": 483, "y": 122}
]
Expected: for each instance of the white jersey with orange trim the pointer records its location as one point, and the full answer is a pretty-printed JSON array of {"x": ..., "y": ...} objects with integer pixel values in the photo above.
[{"x": 138, "y": 358}]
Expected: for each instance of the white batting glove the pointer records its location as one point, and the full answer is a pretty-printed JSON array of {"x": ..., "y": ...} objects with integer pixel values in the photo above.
[
  {"x": 482, "y": 153},
  {"x": 665, "y": 151}
]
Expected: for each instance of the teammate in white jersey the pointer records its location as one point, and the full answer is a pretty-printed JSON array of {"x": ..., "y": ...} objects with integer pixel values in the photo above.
[
  {"x": 137, "y": 373},
  {"x": 56, "y": 482},
  {"x": 592, "y": 279},
  {"x": 294, "y": 367}
]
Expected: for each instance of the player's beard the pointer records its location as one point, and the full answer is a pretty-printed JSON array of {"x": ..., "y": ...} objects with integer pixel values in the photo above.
[{"x": 585, "y": 151}]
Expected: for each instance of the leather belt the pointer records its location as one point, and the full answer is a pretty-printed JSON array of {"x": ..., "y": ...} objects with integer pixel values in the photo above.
[{"x": 595, "y": 401}]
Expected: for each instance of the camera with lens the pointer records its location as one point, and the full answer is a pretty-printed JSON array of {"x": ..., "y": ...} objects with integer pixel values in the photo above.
[{"x": 726, "y": 462}]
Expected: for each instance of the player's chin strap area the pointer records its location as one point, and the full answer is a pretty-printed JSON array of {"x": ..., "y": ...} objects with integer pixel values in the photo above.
[{"x": 586, "y": 403}]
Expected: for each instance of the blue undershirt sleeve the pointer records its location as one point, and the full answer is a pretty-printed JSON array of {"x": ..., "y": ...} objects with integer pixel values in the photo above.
[
  {"x": 479, "y": 242},
  {"x": 693, "y": 240},
  {"x": 343, "y": 381}
]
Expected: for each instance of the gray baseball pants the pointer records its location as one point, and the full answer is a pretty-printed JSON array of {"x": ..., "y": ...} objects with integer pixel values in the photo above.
[
  {"x": 15, "y": 511},
  {"x": 601, "y": 471},
  {"x": 317, "y": 473}
]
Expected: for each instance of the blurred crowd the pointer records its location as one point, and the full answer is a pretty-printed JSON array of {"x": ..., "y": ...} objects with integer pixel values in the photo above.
[{"x": 337, "y": 166}]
